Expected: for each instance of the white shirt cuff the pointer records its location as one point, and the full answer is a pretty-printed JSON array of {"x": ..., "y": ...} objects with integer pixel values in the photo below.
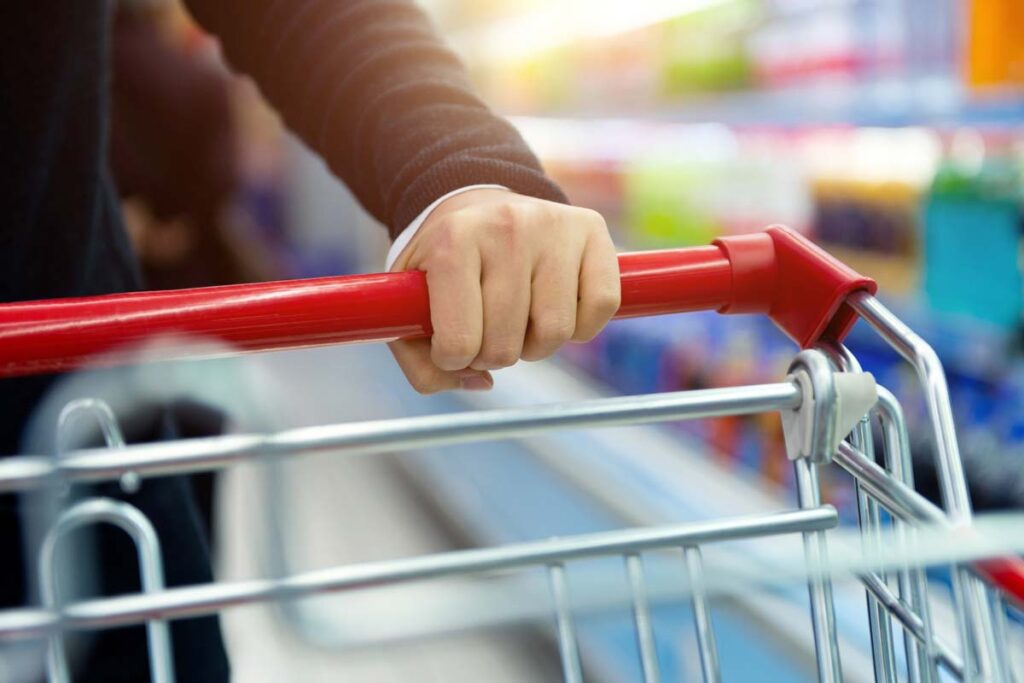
[{"x": 403, "y": 239}]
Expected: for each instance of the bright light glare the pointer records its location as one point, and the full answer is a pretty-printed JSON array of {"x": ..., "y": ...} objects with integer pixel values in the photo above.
[{"x": 564, "y": 22}]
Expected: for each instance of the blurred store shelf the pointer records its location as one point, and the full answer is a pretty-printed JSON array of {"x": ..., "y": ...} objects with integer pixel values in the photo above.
[{"x": 897, "y": 102}]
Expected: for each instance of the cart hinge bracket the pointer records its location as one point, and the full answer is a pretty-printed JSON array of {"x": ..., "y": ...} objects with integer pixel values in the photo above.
[{"x": 832, "y": 404}]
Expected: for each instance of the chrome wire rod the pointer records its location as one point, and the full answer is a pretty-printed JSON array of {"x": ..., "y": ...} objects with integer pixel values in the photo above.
[
  {"x": 970, "y": 591},
  {"x": 196, "y": 455},
  {"x": 210, "y": 598},
  {"x": 894, "y": 495},
  {"x": 914, "y": 624}
]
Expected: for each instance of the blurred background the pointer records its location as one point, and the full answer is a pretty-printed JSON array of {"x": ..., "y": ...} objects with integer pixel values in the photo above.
[{"x": 889, "y": 131}]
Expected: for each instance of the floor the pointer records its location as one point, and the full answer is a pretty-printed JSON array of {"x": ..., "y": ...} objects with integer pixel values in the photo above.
[{"x": 342, "y": 510}]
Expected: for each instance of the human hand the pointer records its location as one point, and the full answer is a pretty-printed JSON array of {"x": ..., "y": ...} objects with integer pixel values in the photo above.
[{"x": 509, "y": 277}]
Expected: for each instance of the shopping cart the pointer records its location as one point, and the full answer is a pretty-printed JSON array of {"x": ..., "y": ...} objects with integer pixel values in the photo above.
[{"x": 825, "y": 402}]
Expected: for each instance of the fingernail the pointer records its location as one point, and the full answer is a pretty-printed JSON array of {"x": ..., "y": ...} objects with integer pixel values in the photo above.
[{"x": 477, "y": 383}]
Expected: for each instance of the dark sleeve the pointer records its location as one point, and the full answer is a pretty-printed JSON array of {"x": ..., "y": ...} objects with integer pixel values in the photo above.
[{"x": 370, "y": 87}]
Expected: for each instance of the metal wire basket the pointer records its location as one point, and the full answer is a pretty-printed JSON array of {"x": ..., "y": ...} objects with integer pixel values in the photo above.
[{"x": 825, "y": 402}]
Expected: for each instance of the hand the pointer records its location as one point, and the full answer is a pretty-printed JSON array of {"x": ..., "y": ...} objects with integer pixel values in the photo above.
[{"x": 509, "y": 277}]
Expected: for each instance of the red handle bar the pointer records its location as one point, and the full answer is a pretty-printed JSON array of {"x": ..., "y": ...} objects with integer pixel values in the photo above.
[{"x": 776, "y": 272}]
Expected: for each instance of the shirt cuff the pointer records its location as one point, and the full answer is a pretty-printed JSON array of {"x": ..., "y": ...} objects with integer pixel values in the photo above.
[{"x": 403, "y": 239}]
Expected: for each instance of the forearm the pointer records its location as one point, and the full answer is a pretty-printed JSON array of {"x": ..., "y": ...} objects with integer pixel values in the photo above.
[{"x": 370, "y": 87}]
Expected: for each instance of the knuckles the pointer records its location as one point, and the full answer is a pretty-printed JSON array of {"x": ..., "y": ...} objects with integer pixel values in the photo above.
[
  {"x": 454, "y": 352},
  {"x": 448, "y": 242},
  {"x": 492, "y": 359},
  {"x": 508, "y": 226},
  {"x": 591, "y": 218},
  {"x": 551, "y": 330},
  {"x": 504, "y": 217},
  {"x": 600, "y": 306},
  {"x": 607, "y": 301},
  {"x": 507, "y": 222}
]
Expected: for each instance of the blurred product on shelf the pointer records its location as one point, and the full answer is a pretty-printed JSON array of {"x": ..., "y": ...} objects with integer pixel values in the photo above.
[
  {"x": 845, "y": 40},
  {"x": 706, "y": 51},
  {"x": 726, "y": 186},
  {"x": 973, "y": 222},
  {"x": 995, "y": 52},
  {"x": 867, "y": 184},
  {"x": 801, "y": 45},
  {"x": 663, "y": 185}
]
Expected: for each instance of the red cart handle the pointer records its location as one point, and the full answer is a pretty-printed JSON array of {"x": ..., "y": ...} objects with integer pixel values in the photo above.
[{"x": 776, "y": 272}]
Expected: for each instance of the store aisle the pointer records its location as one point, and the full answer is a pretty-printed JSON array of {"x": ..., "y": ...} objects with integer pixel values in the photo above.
[{"x": 339, "y": 511}]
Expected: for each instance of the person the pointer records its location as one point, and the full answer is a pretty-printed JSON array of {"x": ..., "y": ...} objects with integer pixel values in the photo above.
[
  {"x": 513, "y": 270},
  {"x": 173, "y": 139}
]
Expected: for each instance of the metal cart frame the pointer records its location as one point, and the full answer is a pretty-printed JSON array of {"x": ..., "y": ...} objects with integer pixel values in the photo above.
[{"x": 809, "y": 295}]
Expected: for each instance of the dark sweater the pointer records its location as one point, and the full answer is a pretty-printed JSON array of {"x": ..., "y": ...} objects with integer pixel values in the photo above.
[
  {"x": 368, "y": 85},
  {"x": 365, "y": 83}
]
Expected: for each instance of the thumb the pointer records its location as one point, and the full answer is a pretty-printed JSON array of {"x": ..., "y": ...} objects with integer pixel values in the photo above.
[{"x": 413, "y": 357}]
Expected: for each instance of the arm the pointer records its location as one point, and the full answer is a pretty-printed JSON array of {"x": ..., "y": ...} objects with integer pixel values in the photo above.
[{"x": 369, "y": 86}]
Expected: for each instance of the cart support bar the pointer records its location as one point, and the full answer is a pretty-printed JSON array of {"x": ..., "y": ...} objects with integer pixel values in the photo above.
[
  {"x": 775, "y": 272},
  {"x": 189, "y": 601},
  {"x": 189, "y": 456}
]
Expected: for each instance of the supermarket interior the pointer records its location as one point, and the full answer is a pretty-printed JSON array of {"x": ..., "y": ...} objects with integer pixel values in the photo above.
[{"x": 889, "y": 132}]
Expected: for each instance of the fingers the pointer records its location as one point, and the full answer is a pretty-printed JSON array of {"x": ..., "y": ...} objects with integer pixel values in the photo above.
[
  {"x": 456, "y": 308},
  {"x": 414, "y": 358},
  {"x": 599, "y": 286},
  {"x": 509, "y": 277},
  {"x": 506, "y": 308},
  {"x": 553, "y": 306}
]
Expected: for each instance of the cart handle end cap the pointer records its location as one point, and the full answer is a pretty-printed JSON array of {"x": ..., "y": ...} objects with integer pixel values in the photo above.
[{"x": 802, "y": 288}]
